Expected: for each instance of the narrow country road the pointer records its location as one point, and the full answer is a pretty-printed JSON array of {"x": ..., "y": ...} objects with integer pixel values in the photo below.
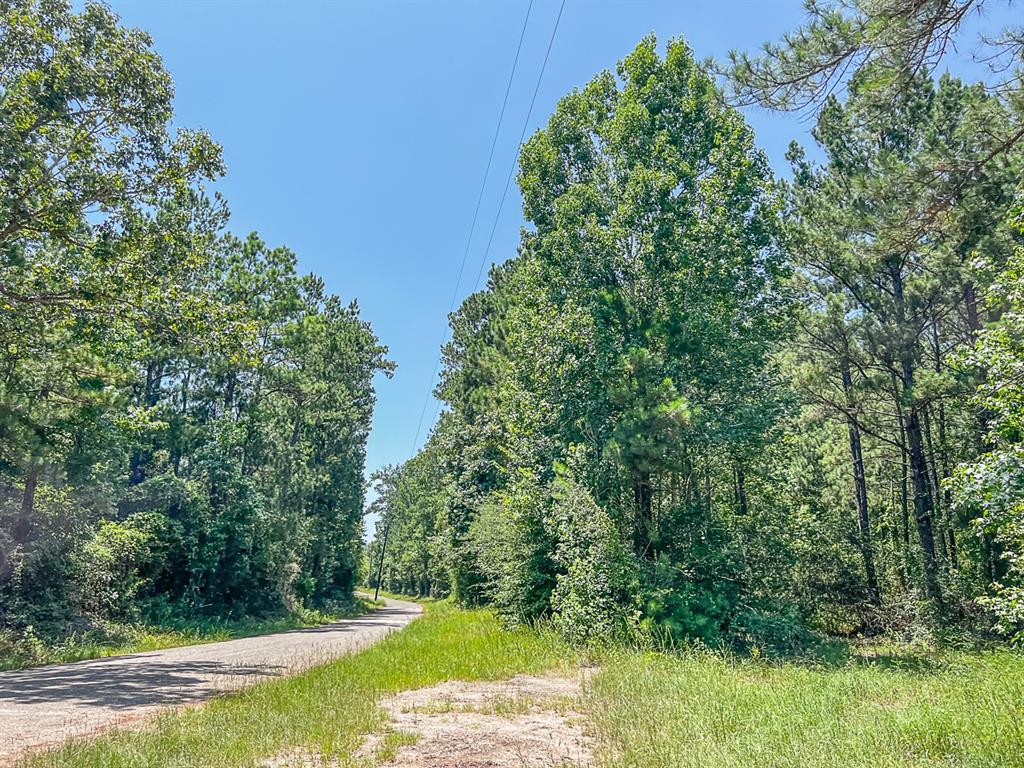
[{"x": 46, "y": 705}]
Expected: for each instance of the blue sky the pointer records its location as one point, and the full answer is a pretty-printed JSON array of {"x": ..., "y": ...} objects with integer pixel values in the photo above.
[{"x": 357, "y": 135}]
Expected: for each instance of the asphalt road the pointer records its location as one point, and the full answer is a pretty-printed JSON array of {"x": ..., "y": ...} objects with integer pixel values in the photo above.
[{"x": 44, "y": 706}]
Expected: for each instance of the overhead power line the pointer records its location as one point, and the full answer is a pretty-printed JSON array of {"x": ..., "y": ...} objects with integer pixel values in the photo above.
[
  {"x": 476, "y": 213},
  {"x": 515, "y": 159},
  {"x": 472, "y": 226},
  {"x": 504, "y": 193}
]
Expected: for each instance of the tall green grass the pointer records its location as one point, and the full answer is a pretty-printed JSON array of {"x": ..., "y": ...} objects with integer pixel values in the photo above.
[
  {"x": 326, "y": 709},
  {"x": 951, "y": 710}
]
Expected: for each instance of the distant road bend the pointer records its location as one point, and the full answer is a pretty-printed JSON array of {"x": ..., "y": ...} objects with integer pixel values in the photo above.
[{"x": 44, "y": 706}]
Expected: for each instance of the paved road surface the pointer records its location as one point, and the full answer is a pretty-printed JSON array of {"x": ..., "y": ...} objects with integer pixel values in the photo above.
[{"x": 45, "y": 705}]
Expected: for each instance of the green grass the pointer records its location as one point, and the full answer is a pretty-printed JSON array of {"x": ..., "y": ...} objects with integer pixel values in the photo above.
[
  {"x": 904, "y": 709},
  {"x": 326, "y": 709},
  {"x": 398, "y": 596},
  {"x": 33, "y": 651},
  {"x": 881, "y": 708}
]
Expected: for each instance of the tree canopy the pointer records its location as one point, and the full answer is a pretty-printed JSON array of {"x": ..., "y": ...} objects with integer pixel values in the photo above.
[
  {"x": 183, "y": 416},
  {"x": 705, "y": 402}
]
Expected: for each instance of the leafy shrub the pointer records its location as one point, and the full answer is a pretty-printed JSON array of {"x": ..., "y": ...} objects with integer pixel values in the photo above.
[
  {"x": 683, "y": 604},
  {"x": 21, "y": 649},
  {"x": 109, "y": 567},
  {"x": 994, "y": 487},
  {"x": 513, "y": 548},
  {"x": 598, "y": 581},
  {"x": 778, "y": 632}
]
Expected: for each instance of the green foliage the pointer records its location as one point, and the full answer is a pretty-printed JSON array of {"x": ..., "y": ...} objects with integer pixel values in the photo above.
[
  {"x": 596, "y": 589},
  {"x": 698, "y": 403},
  {"x": 885, "y": 42},
  {"x": 109, "y": 569},
  {"x": 183, "y": 417},
  {"x": 410, "y": 507},
  {"x": 629, "y": 340},
  {"x": 702, "y": 404},
  {"x": 512, "y": 540},
  {"x": 991, "y": 489}
]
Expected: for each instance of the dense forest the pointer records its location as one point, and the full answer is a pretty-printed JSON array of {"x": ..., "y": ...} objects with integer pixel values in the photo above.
[
  {"x": 705, "y": 402},
  {"x": 183, "y": 416}
]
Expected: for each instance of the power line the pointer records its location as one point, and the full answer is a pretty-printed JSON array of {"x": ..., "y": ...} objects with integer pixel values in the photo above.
[
  {"x": 522, "y": 137},
  {"x": 472, "y": 226},
  {"x": 508, "y": 181},
  {"x": 487, "y": 250}
]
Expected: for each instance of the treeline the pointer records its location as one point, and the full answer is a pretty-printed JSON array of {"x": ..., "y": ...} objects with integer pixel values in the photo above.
[
  {"x": 707, "y": 402},
  {"x": 183, "y": 417}
]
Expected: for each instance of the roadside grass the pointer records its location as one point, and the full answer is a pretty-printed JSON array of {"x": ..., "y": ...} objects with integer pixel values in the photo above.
[
  {"x": 901, "y": 708},
  {"x": 877, "y": 707},
  {"x": 324, "y": 710},
  {"x": 32, "y": 650},
  {"x": 423, "y": 599}
]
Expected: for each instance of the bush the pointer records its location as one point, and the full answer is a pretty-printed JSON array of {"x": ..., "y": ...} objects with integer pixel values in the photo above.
[
  {"x": 513, "y": 550},
  {"x": 109, "y": 567},
  {"x": 681, "y": 604},
  {"x": 596, "y": 588}
]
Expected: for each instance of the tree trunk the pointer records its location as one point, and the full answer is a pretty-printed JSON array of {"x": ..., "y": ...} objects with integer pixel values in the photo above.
[
  {"x": 860, "y": 488},
  {"x": 971, "y": 310},
  {"x": 151, "y": 396},
  {"x": 915, "y": 442},
  {"x": 643, "y": 498},
  {"x": 898, "y": 538},
  {"x": 904, "y": 471},
  {"x": 933, "y": 479},
  {"x": 922, "y": 504},
  {"x": 741, "y": 490},
  {"x": 23, "y": 527}
]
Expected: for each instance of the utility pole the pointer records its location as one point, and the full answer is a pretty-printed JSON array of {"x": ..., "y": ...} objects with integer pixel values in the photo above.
[{"x": 380, "y": 568}]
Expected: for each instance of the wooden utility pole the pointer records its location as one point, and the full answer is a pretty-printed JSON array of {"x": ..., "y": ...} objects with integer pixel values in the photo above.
[{"x": 380, "y": 568}]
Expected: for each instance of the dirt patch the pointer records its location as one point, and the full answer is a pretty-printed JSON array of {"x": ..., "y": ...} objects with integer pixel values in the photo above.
[
  {"x": 298, "y": 758},
  {"x": 525, "y": 722}
]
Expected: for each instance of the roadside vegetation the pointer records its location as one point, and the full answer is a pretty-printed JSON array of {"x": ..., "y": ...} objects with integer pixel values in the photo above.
[
  {"x": 898, "y": 706},
  {"x": 328, "y": 709},
  {"x": 183, "y": 415},
  {"x": 859, "y": 706},
  {"x": 705, "y": 402}
]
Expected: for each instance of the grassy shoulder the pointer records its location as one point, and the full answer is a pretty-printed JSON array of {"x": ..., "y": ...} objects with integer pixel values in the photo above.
[
  {"x": 901, "y": 707},
  {"x": 31, "y": 650},
  {"x": 893, "y": 707},
  {"x": 425, "y": 600}
]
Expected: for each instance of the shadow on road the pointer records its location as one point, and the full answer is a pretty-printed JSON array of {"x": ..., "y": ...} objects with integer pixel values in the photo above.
[{"x": 113, "y": 683}]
